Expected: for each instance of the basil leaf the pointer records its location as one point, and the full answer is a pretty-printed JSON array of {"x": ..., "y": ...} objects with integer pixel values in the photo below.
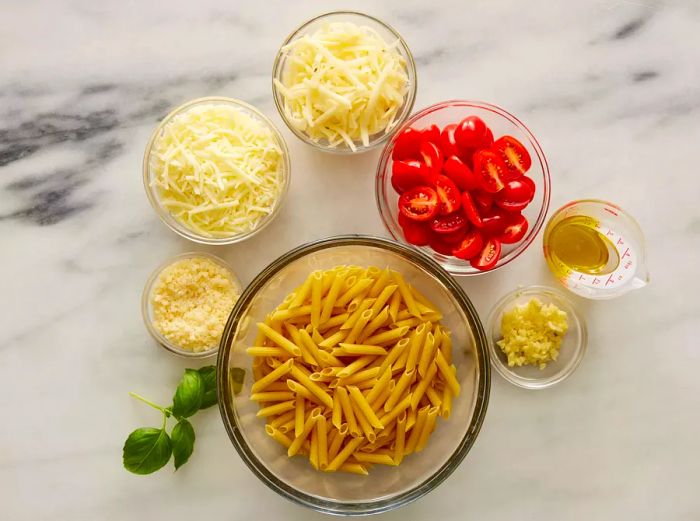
[
  {"x": 182, "y": 437},
  {"x": 188, "y": 395},
  {"x": 208, "y": 375},
  {"x": 236, "y": 379},
  {"x": 146, "y": 450}
]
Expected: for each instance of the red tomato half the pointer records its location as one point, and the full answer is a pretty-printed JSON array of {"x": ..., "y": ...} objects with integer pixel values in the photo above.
[
  {"x": 516, "y": 194},
  {"x": 444, "y": 224},
  {"x": 419, "y": 203},
  {"x": 490, "y": 169},
  {"x": 460, "y": 173},
  {"x": 494, "y": 221},
  {"x": 470, "y": 246},
  {"x": 440, "y": 245},
  {"x": 483, "y": 200},
  {"x": 514, "y": 155},
  {"x": 515, "y": 230},
  {"x": 414, "y": 232},
  {"x": 455, "y": 237},
  {"x": 407, "y": 174},
  {"x": 432, "y": 157},
  {"x": 448, "y": 194},
  {"x": 488, "y": 138},
  {"x": 431, "y": 134},
  {"x": 489, "y": 255},
  {"x": 406, "y": 145},
  {"x": 469, "y": 209},
  {"x": 447, "y": 141},
  {"x": 471, "y": 133}
]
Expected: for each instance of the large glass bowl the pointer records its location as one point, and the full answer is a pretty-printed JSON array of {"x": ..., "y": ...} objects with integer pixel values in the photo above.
[
  {"x": 386, "y": 487},
  {"x": 501, "y": 123},
  {"x": 389, "y": 34}
]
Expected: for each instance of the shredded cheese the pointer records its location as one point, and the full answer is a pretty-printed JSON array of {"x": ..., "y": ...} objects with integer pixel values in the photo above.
[
  {"x": 532, "y": 333},
  {"x": 192, "y": 300},
  {"x": 343, "y": 84},
  {"x": 217, "y": 170}
]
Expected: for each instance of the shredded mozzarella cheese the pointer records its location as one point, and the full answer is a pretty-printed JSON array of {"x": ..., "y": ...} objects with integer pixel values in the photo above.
[
  {"x": 217, "y": 170},
  {"x": 343, "y": 84}
]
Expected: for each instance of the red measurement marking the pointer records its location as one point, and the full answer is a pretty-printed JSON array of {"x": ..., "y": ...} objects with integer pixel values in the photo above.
[
  {"x": 619, "y": 277},
  {"x": 627, "y": 264},
  {"x": 610, "y": 233},
  {"x": 596, "y": 280},
  {"x": 580, "y": 277},
  {"x": 610, "y": 280},
  {"x": 626, "y": 254},
  {"x": 610, "y": 211},
  {"x": 620, "y": 241}
]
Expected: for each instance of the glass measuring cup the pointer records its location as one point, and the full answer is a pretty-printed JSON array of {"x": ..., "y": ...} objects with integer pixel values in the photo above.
[{"x": 593, "y": 224}]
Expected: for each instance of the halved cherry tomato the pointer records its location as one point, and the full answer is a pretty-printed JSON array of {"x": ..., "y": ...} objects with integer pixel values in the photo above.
[
  {"x": 439, "y": 245},
  {"x": 515, "y": 230},
  {"x": 431, "y": 134},
  {"x": 470, "y": 246},
  {"x": 483, "y": 200},
  {"x": 448, "y": 223},
  {"x": 490, "y": 169},
  {"x": 448, "y": 194},
  {"x": 407, "y": 144},
  {"x": 488, "y": 138},
  {"x": 432, "y": 157},
  {"x": 516, "y": 194},
  {"x": 414, "y": 232},
  {"x": 494, "y": 221},
  {"x": 469, "y": 209},
  {"x": 407, "y": 174},
  {"x": 455, "y": 237},
  {"x": 447, "y": 141},
  {"x": 514, "y": 155},
  {"x": 471, "y": 133},
  {"x": 489, "y": 255},
  {"x": 419, "y": 203},
  {"x": 460, "y": 173}
]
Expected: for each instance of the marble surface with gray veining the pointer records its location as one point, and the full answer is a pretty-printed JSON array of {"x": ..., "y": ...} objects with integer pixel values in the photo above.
[{"x": 610, "y": 87}]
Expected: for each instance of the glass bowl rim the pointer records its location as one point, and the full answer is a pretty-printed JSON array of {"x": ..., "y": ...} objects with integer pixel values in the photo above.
[
  {"x": 410, "y": 95},
  {"x": 146, "y": 300},
  {"x": 481, "y": 395},
  {"x": 580, "y": 348},
  {"x": 181, "y": 229},
  {"x": 382, "y": 164}
]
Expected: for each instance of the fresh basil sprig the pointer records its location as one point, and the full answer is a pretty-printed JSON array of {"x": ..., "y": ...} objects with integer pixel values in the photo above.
[{"x": 148, "y": 449}]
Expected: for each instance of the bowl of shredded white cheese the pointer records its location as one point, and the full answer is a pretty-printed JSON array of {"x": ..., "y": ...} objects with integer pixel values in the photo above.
[
  {"x": 216, "y": 170},
  {"x": 344, "y": 82}
]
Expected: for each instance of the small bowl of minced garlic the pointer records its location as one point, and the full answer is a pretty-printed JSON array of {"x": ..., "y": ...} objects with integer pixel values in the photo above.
[
  {"x": 536, "y": 337},
  {"x": 186, "y": 303}
]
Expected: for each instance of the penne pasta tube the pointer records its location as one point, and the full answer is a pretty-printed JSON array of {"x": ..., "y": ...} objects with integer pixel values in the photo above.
[
  {"x": 406, "y": 294},
  {"x": 322, "y": 435},
  {"x": 348, "y": 412},
  {"x": 386, "y": 337},
  {"x": 365, "y": 426},
  {"x": 355, "y": 366},
  {"x": 344, "y": 454},
  {"x": 329, "y": 360},
  {"x": 394, "y": 305},
  {"x": 281, "y": 419},
  {"x": 380, "y": 283},
  {"x": 299, "y": 411},
  {"x": 416, "y": 345},
  {"x": 316, "y": 294},
  {"x": 416, "y": 431},
  {"x": 355, "y": 315},
  {"x": 332, "y": 296},
  {"x": 357, "y": 328},
  {"x": 400, "y": 389},
  {"x": 360, "y": 376},
  {"x": 378, "y": 321},
  {"x": 394, "y": 354},
  {"x": 354, "y": 468},
  {"x": 378, "y": 386},
  {"x": 313, "y": 449},
  {"x": 446, "y": 346},
  {"x": 335, "y": 445},
  {"x": 446, "y": 405},
  {"x": 315, "y": 335},
  {"x": 301, "y": 294},
  {"x": 400, "y": 442},
  {"x": 346, "y": 349},
  {"x": 278, "y": 339},
  {"x": 279, "y": 437},
  {"x": 278, "y": 408},
  {"x": 334, "y": 339},
  {"x": 410, "y": 418},
  {"x": 309, "y": 345},
  {"x": 306, "y": 356},
  {"x": 448, "y": 373},
  {"x": 287, "y": 427},
  {"x": 364, "y": 408},
  {"x": 308, "y": 427},
  {"x": 378, "y": 403},
  {"x": 302, "y": 391},
  {"x": 427, "y": 354},
  {"x": 398, "y": 409},
  {"x": 423, "y": 385},
  {"x": 421, "y": 299},
  {"x": 337, "y": 417},
  {"x": 427, "y": 429},
  {"x": 368, "y": 457},
  {"x": 286, "y": 314},
  {"x": 312, "y": 386},
  {"x": 277, "y": 352},
  {"x": 272, "y": 396},
  {"x": 355, "y": 290},
  {"x": 334, "y": 321},
  {"x": 433, "y": 396},
  {"x": 273, "y": 376},
  {"x": 383, "y": 298}
]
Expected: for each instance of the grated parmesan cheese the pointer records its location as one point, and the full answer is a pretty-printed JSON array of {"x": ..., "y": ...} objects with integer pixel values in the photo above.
[
  {"x": 191, "y": 300},
  {"x": 343, "y": 84},
  {"x": 217, "y": 170}
]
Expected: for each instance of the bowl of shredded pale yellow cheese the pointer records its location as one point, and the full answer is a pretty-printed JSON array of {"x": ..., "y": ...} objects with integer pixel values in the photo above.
[
  {"x": 536, "y": 337},
  {"x": 344, "y": 82},
  {"x": 216, "y": 170},
  {"x": 186, "y": 303}
]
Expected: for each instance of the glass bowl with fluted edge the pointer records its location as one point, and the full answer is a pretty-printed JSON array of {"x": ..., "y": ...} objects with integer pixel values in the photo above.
[
  {"x": 389, "y": 34},
  {"x": 179, "y": 227},
  {"x": 571, "y": 352},
  {"x": 501, "y": 123},
  {"x": 147, "y": 305},
  {"x": 385, "y": 488}
]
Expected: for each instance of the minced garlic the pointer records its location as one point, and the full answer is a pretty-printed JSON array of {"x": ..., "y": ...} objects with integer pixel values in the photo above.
[
  {"x": 192, "y": 299},
  {"x": 532, "y": 333}
]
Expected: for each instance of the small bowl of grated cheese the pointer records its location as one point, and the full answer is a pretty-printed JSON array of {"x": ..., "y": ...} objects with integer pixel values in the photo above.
[
  {"x": 536, "y": 337},
  {"x": 186, "y": 303},
  {"x": 216, "y": 170},
  {"x": 344, "y": 82}
]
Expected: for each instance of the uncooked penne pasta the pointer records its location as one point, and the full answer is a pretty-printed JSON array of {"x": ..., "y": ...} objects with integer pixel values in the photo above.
[
  {"x": 380, "y": 283},
  {"x": 272, "y": 396},
  {"x": 406, "y": 294},
  {"x": 427, "y": 429},
  {"x": 448, "y": 373},
  {"x": 400, "y": 442}
]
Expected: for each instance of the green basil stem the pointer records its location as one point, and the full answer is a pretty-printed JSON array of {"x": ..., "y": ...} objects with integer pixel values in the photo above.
[{"x": 148, "y": 402}]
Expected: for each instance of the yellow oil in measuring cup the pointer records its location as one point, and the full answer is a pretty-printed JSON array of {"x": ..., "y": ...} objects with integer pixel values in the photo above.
[{"x": 595, "y": 249}]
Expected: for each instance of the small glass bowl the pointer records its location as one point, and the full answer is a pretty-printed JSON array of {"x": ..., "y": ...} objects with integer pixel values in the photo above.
[
  {"x": 147, "y": 307},
  {"x": 501, "y": 123},
  {"x": 573, "y": 346},
  {"x": 154, "y": 197},
  {"x": 384, "y": 30}
]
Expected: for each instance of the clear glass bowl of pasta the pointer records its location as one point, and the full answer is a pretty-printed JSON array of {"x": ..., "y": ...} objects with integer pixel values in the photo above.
[
  {"x": 385, "y": 487},
  {"x": 318, "y": 135}
]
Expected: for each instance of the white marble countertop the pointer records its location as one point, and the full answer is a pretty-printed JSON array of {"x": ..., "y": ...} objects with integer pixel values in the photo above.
[{"x": 610, "y": 87}]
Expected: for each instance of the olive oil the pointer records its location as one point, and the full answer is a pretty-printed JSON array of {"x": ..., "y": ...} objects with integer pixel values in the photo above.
[{"x": 576, "y": 243}]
